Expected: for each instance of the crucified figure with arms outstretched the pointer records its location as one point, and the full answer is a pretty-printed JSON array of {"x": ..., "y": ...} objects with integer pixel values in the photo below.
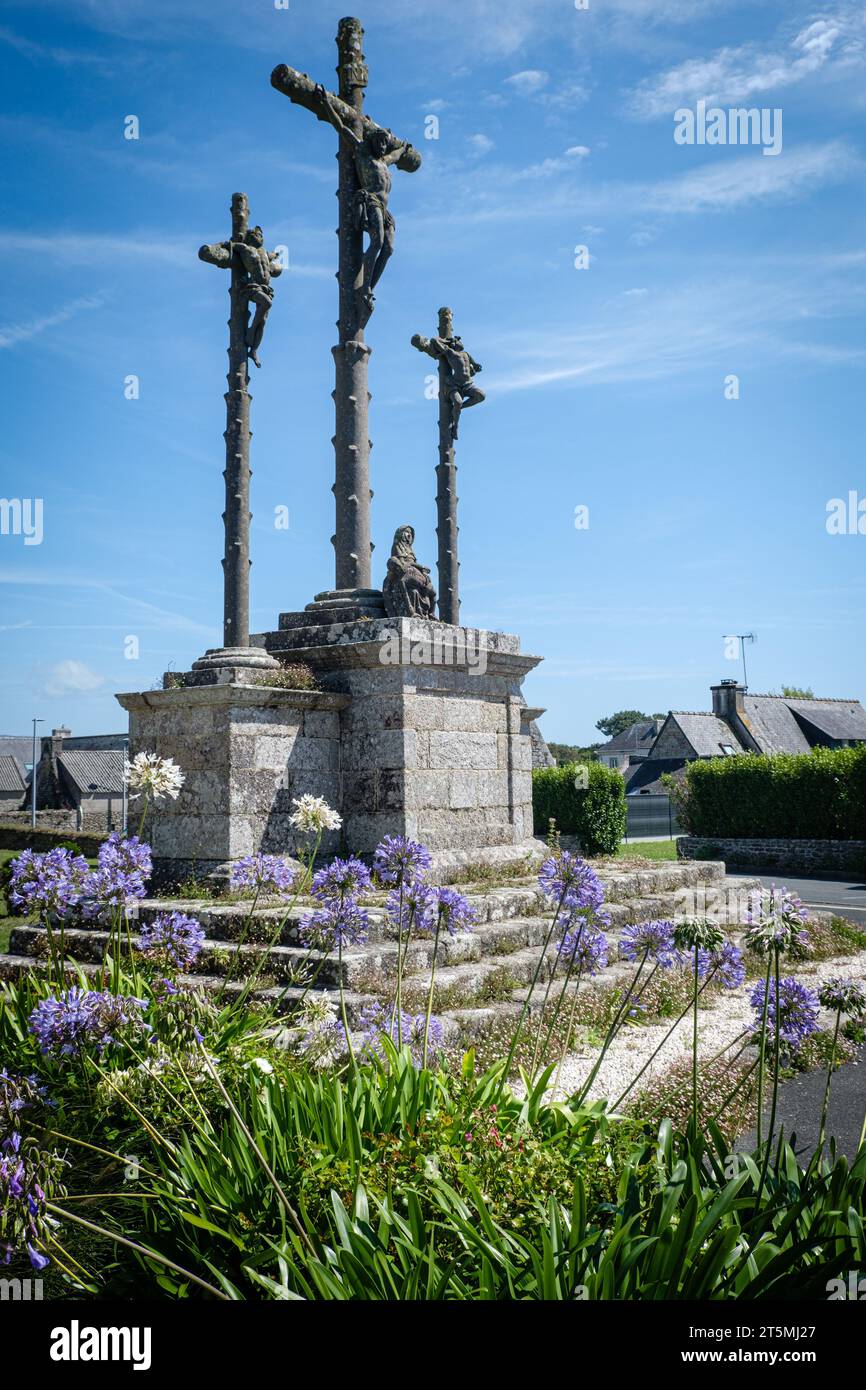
[{"x": 374, "y": 152}]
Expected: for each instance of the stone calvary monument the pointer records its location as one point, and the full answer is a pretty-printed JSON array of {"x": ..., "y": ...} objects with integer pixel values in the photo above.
[{"x": 419, "y": 726}]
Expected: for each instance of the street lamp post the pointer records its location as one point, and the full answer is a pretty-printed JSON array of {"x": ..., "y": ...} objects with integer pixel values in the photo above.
[
  {"x": 125, "y": 800},
  {"x": 33, "y": 778}
]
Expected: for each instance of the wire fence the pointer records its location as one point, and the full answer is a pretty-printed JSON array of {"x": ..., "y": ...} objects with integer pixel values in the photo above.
[{"x": 651, "y": 814}]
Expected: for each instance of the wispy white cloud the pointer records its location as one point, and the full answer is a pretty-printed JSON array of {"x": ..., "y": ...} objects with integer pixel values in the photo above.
[
  {"x": 71, "y": 677},
  {"x": 497, "y": 192},
  {"x": 725, "y": 184},
  {"x": 728, "y": 322},
  {"x": 527, "y": 82},
  {"x": 11, "y": 334},
  {"x": 100, "y": 249},
  {"x": 747, "y": 72},
  {"x": 51, "y": 53},
  {"x": 480, "y": 144},
  {"x": 137, "y": 608}
]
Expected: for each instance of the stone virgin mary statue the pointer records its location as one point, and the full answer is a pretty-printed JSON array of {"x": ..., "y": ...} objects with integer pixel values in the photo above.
[{"x": 407, "y": 589}]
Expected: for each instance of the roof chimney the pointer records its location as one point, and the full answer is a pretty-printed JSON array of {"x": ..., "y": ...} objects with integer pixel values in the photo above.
[{"x": 728, "y": 699}]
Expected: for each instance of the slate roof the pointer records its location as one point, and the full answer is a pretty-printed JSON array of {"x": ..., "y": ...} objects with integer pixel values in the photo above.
[
  {"x": 646, "y": 776},
  {"x": 636, "y": 737},
  {"x": 706, "y": 733},
  {"x": 837, "y": 719},
  {"x": 12, "y": 775},
  {"x": 773, "y": 726},
  {"x": 18, "y": 746},
  {"x": 82, "y": 769}
]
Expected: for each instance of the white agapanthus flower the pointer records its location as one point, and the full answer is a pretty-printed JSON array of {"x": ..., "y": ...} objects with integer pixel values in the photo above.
[
  {"x": 314, "y": 814},
  {"x": 149, "y": 774}
]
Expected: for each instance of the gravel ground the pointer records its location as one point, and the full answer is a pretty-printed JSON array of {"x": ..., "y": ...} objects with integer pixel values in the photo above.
[{"x": 719, "y": 1026}]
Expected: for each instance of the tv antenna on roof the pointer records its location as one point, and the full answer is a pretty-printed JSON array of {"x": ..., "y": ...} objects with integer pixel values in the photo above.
[{"x": 743, "y": 638}]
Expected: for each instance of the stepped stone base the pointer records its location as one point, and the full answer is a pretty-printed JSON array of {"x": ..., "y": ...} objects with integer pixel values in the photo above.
[
  {"x": 481, "y": 975},
  {"x": 246, "y": 751},
  {"x": 420, "y": 729}
]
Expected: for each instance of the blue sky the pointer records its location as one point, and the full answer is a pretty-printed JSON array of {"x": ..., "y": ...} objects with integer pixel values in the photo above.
[{"x": 606, "y": 386}]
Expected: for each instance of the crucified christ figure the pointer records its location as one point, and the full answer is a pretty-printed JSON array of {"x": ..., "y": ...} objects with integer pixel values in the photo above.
[{"x": 374, "y": 152}]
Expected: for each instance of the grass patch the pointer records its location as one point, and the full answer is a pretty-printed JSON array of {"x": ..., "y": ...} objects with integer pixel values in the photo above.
[{"x": 652, "y": 850}]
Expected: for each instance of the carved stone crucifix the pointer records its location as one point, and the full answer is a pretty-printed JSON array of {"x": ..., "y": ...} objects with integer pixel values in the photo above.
[
  {"x": 252, "y": 269},
  {"x": 457, "y": 391},
  {"x": 366, "y": 152}
]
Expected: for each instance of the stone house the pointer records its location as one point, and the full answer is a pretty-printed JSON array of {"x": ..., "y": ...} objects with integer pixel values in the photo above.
[
  {"x": 83, "y": 774},
  {"x": 13, "y": 783},
  {"x": 631, "y": 746},
  {"x": 744, "y": 723}
]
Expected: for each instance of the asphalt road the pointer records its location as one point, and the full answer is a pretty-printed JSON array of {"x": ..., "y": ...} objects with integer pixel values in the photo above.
[
  {"x": 801, "y": 1098},
  {"x": 800, "y": 1102},
  {"x": 842, "y": 895}
]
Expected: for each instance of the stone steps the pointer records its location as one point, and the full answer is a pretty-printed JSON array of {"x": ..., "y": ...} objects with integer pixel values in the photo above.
[
  {"x": 479, "y": 974},
  {"x": 286, "y": 998}
]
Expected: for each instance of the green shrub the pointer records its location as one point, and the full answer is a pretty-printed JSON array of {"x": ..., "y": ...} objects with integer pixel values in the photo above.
[
  {"x": 595, "y": 814},
  {"x": 819, "y": 795}
]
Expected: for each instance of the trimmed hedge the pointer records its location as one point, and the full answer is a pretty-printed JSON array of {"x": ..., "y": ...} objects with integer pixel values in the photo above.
[
  {"x": 22, "y": 837},
  {"x": 799, "y": 796},
  {"x": 596, "y": 815}
]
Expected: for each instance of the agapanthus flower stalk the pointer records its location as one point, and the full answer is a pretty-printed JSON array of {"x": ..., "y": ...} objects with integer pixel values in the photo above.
[
  {"x": 172, "y": 940},
  {"x": 312, "y": 815}
]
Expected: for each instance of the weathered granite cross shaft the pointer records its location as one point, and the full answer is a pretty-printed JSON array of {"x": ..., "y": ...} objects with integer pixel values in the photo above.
[
  {"x": 366, "y": 150},
  {"x": 457, "y": 391},
  {"x": 252, "y": 268}
]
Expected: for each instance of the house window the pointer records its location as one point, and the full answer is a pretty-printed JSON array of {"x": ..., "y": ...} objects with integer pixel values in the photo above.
[{"x": 727, "y": 749}]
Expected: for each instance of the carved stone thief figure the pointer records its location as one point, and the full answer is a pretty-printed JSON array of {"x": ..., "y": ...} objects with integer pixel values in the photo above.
[
  {"x": 460, "y": 366},
  {"x": 407, "y": 588},
  {"x": 260, "y": 266}
]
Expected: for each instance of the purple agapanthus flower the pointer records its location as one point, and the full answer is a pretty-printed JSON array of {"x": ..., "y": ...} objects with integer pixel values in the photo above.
[
  {"x": 51, "y": 884},
  {"x": 798, "y": 1010},
  {"x": 25, "y": 1173},
  {"x": 414, "y": 907},
  {"x": 264, "y": 873},
  {"x": 124, "y": 865},
  {"x": 67, "y": 1024},
  {"x": 335, "y": 923},
  {"x": 570, "y": 883},
  {"x": 342, "y": 878},
  {"x": 379, "y": 1022},
  {"x": 775, "y": 921},
  {"x": 17, "y": 1095},
  {"x": 725, "y": 965},
  {"x": 454, "y": 913},
  {"x": 650, "y": 941},
  {"x": 400, "y": 860},
  {"x": 585, "y": 950},
  {"x": 844, "y": 996},
  {"x": 172, "y": 939}
]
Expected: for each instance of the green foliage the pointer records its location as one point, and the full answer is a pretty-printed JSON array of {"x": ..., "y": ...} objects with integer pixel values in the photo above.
[
  {"x": 71, "y": 845},
  {"x": 530, "y": 1201},
  {"x": 596, "y": 814},
  {"x": 291, "y": 676},
  {"x": 235, "y": 1171},
  {"x": 614, "y": 724},
  {"x": 818, "y": 795},
  {"x": 573, "y": 752}
]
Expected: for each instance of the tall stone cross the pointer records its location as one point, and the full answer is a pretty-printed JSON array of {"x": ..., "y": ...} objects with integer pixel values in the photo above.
[
  {"x": 365, "y": 154},
  {"x": 457, "y": 391},
  {"x": 252, "y": 269}
]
